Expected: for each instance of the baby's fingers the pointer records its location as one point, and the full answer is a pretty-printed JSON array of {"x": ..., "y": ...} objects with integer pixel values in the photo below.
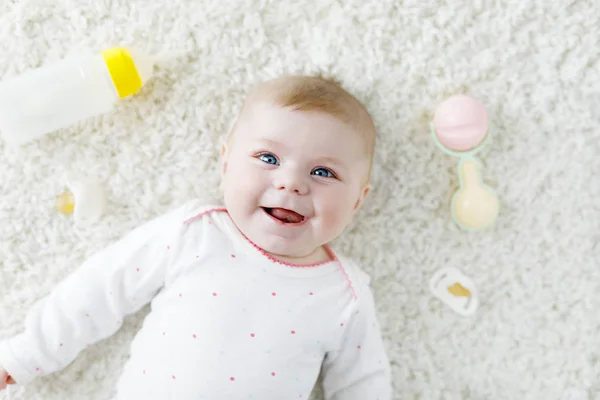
[{"x": 5, "y": 380}]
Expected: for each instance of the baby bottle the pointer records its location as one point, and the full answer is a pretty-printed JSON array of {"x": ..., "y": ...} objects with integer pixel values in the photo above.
[{"x": 54, "y": 96}]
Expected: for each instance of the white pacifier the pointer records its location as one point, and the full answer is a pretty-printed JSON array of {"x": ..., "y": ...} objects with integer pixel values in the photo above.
[
  {"x": 456, "y": 290},
  {"x": 85, "y": 198}
]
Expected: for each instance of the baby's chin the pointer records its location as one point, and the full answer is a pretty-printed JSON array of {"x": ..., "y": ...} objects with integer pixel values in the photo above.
[
  {"x": 279, "y": 246},
  {"x": 290, "y": 251}
]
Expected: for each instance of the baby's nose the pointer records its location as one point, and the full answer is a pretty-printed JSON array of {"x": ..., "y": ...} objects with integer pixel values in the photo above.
[{"x": 292, "y": 183}]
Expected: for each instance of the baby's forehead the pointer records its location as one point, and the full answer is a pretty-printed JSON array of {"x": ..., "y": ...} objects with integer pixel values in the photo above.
[
  {"x": 272, "y": 115},
  {"x": 272, "y": 122}
]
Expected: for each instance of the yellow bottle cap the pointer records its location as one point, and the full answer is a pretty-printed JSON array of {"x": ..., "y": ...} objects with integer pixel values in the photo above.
[{"x": 123, "y": 71}]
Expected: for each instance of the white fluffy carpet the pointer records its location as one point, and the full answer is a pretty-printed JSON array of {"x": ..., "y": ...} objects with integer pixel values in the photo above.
[{"x": 535, "y": 64}]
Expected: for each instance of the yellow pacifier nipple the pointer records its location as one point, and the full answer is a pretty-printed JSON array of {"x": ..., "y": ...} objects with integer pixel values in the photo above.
[
  {"x": 474, "y": 205},
  {"x": 84, "y": 198},
  {"x": 65, "y": 203},
  {"x": 455, "y": 289},
  {"x": 459, "y": 290}
]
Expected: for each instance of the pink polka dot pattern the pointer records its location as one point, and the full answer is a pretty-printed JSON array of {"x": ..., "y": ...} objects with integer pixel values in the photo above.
[{"x": 278, "y": 301}]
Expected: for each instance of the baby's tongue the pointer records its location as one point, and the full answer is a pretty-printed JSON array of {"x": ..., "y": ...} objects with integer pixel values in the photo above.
[{"x": 286, "y": 215}]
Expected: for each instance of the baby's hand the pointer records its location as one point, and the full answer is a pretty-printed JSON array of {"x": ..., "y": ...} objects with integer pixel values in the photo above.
[{"x": 5, "y": 379}]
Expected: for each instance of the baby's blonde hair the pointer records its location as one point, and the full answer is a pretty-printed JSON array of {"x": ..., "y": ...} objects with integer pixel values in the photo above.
[{"x": 320, "y": 94}]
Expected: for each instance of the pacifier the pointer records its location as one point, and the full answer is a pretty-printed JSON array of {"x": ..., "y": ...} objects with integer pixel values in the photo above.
[
  {"x": 456, "y": 290},
  {"x": 460, "y": 128},
  {"x": 84, "y": 198}
]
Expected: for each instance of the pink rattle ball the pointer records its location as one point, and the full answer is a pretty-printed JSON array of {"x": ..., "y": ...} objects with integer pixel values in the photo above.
[{"x": 461, "y": 123}]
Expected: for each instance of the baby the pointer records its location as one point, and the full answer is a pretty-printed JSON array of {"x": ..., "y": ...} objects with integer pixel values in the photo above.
[{"x": 248, "y": 299}]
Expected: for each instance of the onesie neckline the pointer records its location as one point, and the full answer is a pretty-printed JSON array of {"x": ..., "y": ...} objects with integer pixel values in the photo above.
[
  {"x": 280, "y": 267},
  {"x": 272, "y": 265}
]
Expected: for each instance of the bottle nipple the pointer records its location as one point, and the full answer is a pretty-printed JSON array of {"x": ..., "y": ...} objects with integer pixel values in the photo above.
[{"x": 474, "y": 205}]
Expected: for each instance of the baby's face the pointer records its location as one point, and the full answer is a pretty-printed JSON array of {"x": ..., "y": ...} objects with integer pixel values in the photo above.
[{"x": 293, "y": 180}]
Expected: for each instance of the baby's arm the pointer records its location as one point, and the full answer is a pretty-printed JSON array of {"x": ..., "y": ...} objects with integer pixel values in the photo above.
[
  {"x": 89, "y": 305},
  {"x": 360, "y": 369}
]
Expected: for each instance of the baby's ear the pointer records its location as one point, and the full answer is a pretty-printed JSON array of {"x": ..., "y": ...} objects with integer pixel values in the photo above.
[
  {"x": 363, "y": 195},
  {"x": 224, "y": 157}
]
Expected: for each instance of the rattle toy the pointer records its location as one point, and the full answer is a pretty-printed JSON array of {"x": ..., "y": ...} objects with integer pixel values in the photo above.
[
  {"x": 84, "y": 198},
  {"x": 460, "y": 128}
]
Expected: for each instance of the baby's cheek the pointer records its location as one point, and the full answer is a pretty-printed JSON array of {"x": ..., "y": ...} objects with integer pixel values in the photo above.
[
  {"x": 244, "y": 179},
  {"x": 337, "y": 211}
]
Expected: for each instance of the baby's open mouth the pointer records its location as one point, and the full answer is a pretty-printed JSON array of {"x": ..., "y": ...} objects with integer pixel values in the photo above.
[{"x": 284, "y": 215}]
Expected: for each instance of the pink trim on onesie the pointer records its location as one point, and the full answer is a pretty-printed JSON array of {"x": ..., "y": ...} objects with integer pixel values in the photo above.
[
  {"x": 203, "y": 213},
  {"x": 327, "y": 248}
]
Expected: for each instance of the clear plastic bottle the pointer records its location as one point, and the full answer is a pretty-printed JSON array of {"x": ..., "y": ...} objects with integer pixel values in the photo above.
[{"x": 54, "y": 96}]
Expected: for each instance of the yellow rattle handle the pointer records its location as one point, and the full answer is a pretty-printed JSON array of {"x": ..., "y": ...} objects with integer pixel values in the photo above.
[{"x": 474, "y": 205}]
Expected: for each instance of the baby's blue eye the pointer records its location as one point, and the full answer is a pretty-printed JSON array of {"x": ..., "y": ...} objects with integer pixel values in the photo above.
[
  {"x": 323, "y": 172},
  {"x": 268, "y": 158}
]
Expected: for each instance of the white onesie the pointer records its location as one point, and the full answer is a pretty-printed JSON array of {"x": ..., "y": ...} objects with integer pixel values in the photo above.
[{"x": 227, "y": 321}]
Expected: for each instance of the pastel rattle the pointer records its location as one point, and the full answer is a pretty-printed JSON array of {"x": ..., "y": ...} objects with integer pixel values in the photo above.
[
  {"x": 474, "y": 205},
  {"x": 460, "y": 128},
  {"x": 460, "y": 125}
]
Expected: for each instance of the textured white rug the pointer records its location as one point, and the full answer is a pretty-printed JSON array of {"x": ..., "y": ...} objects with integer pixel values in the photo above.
[{"x": 534, "y": 64}]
